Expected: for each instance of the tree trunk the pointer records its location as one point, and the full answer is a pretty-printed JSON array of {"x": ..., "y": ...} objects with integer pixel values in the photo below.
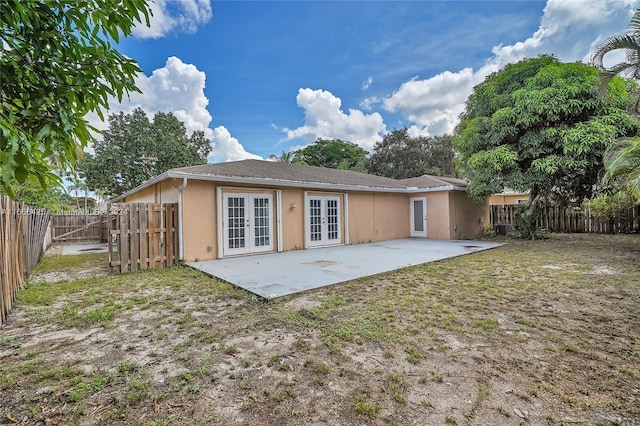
[{"x": 534, "y": 200}]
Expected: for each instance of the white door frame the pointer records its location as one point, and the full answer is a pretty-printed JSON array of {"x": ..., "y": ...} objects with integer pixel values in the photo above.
[
  {"x": 255, "y": 233},
  {"x": 323, "y": 224},
  {"x": 418, "y": 220}
]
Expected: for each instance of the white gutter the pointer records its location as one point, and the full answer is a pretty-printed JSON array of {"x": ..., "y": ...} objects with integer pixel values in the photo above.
[
  {"x": 279, "y": 220},
  {"x": 285, "y": 183},
  {"x": 180, "y": 228},
  {"x": 220, "y": 222},
  {"x": 346, "y": 218},
  {"x": 307, "y": 185}
]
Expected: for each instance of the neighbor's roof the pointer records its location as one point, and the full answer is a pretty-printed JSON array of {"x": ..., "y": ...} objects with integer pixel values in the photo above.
[
  {"x": 427, "y": 181},
  {"x": 260, "y": 172}
]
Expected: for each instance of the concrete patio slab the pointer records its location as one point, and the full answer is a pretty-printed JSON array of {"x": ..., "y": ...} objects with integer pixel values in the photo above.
[
  {"x": 276, "y": 275},
  {"x": 85, "y": 248}
]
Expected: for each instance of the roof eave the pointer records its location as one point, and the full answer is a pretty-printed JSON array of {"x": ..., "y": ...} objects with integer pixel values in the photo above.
[
  {"x": 143, "y": 185},
  {"x": 282, "y": 182},
  {"x": 279, "y": 182}
]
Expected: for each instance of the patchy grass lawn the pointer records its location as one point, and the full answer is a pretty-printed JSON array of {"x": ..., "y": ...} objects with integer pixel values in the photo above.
[{"x": 541, "y": 333}]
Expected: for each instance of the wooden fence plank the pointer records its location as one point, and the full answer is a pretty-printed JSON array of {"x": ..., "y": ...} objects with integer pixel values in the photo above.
[
  {"x": 134, "y": 237},
  {"x": 22, "y": 233},
  {"x": 78, "y": 228},
  {"x": 566, "y": 219},
  {"x": 143, "y": 235},
  {"x": 123, "y": 242}
]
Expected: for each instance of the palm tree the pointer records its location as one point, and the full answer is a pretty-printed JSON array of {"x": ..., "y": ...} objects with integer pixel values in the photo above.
[
  {"x": 630, "y": 43},
  {"x": 285, "y": 157},
  {"x": 622, "y": 160}
]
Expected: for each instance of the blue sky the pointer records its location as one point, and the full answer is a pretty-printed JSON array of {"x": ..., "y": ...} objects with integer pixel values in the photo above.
[{"x": 267, "y": 76}]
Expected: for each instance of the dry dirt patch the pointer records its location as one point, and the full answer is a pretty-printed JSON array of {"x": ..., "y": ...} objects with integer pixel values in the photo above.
[{"x": 497, "y": 337}]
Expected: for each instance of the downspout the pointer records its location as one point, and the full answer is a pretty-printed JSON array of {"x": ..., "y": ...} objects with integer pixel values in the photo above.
[{"x": 180, "y": 231}]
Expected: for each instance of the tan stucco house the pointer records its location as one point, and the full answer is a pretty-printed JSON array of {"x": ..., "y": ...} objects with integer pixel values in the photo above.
[
  {"x": 508, "y": 197},
  {"x": 253, "y": 206}
]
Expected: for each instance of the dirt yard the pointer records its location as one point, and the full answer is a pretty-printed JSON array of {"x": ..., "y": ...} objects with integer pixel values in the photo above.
[{"x": 533, "y": 333}]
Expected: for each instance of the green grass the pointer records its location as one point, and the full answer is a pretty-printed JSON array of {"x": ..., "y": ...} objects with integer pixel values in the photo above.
[
  {"x": 364, "y": 405},
  {"x": 58, "y": 262},
  {"x": 379, "y": 338}
]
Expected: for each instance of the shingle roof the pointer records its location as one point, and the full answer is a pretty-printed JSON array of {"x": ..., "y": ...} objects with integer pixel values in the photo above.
[
  {"x": 260, "y": 169},
  {"x": 427, "y": 181},
  {"x": 297, "y": 175}
]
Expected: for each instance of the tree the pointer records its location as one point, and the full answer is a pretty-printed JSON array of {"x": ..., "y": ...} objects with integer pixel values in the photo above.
[
  {"x": 57, "y": 64},
  {"x": 400, "y": 156},
  {"x": 286, "y": 157},
  {"x": 612, "y": 204},
  {"x": 622, "y": 158},
  {"x": 622, "y": 161},
  {"x": 134, "y": 149},
  {"x": 33, "y": 194},
  {"x": 629, "y": 43},
  {"x": 332, "y": 154},
  {"x": 540, "y": 125}
]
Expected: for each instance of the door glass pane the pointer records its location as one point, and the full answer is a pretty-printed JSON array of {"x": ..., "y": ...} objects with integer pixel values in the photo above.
[
  {"x": 315, "y": 219},
  {"x": 235, "y": 222},
  {"x": 332, "y": 220},
  {"x": 418, "y": 216},
  {"x": 261, "y": 231}
]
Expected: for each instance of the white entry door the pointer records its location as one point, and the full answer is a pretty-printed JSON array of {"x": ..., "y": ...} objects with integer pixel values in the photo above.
[
  {"x": 323, "y": 221},
  {"x": 248, "y": 223},
  {"x": 419, "y": 217}
]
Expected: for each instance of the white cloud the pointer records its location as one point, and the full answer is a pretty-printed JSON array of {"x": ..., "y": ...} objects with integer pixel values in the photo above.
[
  {"x": 227, "y": 148},
  {"x": 367, "y": 83},
  {"x": 178, "y": 15},
  {"x": 569, "y": 29},
  {"x": 434, "y": 104},
  {"x": 178, "y": 88},
  {"x": 325, "y": 119},
  {"x": 368, "y": 103}
]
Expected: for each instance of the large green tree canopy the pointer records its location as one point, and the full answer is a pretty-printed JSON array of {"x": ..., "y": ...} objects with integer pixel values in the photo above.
[
  {"x": 333, "y": 154},
  {"x": 57, "y": 64},
  {"x": 134, "y": 149},
  {"x": 400, "y": 156},
  {"x": 541, "y": 125}
]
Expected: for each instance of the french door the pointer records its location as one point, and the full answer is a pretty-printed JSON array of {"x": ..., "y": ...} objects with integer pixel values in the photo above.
[
  {"x": 248, "y": 223},
  {"x": 419, "y": 217},
  {"x": 323, "y": 221}
]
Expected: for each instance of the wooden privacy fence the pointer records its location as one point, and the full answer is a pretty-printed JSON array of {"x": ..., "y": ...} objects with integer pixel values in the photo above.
[
  {"x": 569, "y": 219},
  {"x": 142, "y": 236},
  {"x": 78, "y": 228},
  {"x": 22, "y": 233}
]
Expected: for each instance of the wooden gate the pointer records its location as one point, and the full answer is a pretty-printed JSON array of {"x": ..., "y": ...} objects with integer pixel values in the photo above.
[
  {"x": 78, "y": 228},
  {"x": 142, "y": 236}
]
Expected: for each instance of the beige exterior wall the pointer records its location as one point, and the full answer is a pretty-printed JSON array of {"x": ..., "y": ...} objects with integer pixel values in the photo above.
[
  {"x": 372, "y": 216},
  {"x": 468, "y": 217},
  {"x": 199, "y": 227},
  {"x": 292, "y": 219},
  {"x": 506, "y": 200},
  {"x": 375, "y": 216},
  {"x": 162, "y": 192},
  {"x": 438, "y": 220}
]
